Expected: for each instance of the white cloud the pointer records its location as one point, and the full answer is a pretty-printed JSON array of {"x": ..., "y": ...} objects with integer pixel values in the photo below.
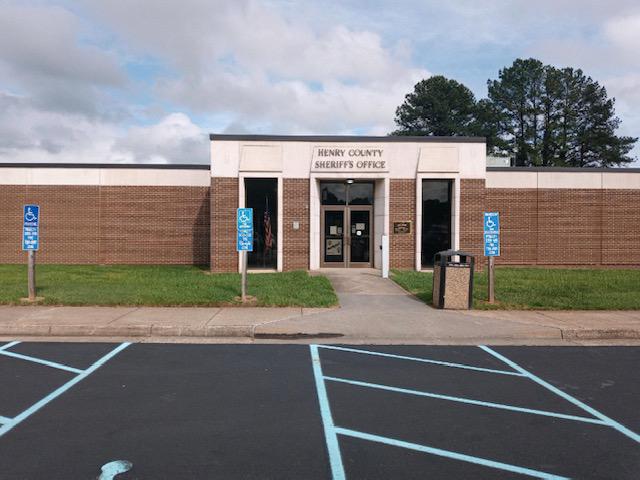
[
  {"x": 103, "y": 80},
  {"x": 267, "y": 71},
  {"x": 41, "y": 56},
  {"x": 175, "y": 139},
  {"x": 624, "y": 32},
  {"x": 30, "y": 134}
]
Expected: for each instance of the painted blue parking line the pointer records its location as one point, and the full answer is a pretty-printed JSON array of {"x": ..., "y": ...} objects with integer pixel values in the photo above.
[
  {"x": 8, "y": 345},
  {"x": 60, "y": 390},
  {"x": 592, "y": 411},
  {"x": 423, "y": 360},
  {"x": 4, "y": 419},
  {"x": 41, "y": 361},
  {"x": 467, "y": 400},
  {"x": 331, "y": 438},
  {"x": 448, "y": 454}
]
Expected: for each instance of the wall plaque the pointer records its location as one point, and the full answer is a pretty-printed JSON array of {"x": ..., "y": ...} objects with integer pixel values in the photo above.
[{"x": 401, "y": 227}]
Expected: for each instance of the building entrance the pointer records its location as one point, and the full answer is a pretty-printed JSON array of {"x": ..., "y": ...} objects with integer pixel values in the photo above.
[{"x": 346, "y": 224}]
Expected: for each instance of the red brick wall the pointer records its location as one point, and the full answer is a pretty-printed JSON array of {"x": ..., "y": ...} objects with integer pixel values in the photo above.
[
  {"x": 154, "y": 225},
  {"x": 518, "y": 223},
  {"x": 173, "y": 225},
  {"x": 224, "y": 202},
  {"x": 12, "y": 198},
  {"x": 296, "y": 209},
  {"x": 472, "y": 206},
  {"x": 621, "y": 227},
  {"x": 582, "y": 227},
  {"x": 569, "y": 227},
  {"x": 402, "y": 208},
  {"x": 109, "y": 225}
]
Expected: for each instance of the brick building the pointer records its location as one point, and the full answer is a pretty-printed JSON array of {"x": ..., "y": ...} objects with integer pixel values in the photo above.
[{"x": 323, "y": 202}]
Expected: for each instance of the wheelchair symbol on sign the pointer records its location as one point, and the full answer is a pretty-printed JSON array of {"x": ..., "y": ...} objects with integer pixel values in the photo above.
[
  {"x": 29, "y": 216},
  {"x": 490, "y": 223}
]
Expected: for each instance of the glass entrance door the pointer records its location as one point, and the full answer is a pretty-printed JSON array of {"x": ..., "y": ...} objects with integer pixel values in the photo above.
[
  {"x": 359, "y": 237},
  {"x": 346, "y": 236},
  {"x": 333, "y": 237}
]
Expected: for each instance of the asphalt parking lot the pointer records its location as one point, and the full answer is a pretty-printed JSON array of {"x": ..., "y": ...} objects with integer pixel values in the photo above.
[{"x": 154, "y": 411}]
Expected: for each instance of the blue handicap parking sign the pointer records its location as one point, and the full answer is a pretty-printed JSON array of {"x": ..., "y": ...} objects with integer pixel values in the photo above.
[
  {"x": 491, "y": 222},
  {"x": 491, "y": 245},
  {"x": 31, "y": 227},
  {"x": 244, "y": 241},
  {"x": 491, "y": 234}
]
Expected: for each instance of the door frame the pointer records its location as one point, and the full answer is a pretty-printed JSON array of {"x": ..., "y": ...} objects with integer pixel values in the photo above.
[
  {"x": 361, "y": 208},
  {"x": 346, "y": 236},
  {"x": 334, "y": 208}
]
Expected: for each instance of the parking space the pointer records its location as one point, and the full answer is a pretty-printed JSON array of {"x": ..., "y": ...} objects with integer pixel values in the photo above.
[
  {"x": 32, "y": 380},
  {"x": 179, "y": 411},
  {"x": 317, "y": 412},
  {"x": 474, "y": 406}
]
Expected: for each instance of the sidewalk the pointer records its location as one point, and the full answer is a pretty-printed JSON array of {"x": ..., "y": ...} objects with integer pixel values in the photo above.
[{"x": 373, "y": 310}]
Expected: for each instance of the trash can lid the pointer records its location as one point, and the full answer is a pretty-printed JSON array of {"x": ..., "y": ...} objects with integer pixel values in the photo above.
[{"x": 451, "y": 253}]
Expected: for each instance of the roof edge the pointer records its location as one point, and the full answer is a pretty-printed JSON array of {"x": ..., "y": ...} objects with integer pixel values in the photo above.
[
  {"x": 343, "y": 138},
  {"x": 565, "y": 169},
  {"x": 149, "y": 166}
]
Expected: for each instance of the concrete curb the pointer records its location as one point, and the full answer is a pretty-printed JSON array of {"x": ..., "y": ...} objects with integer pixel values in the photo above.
[
  {"x": 601, "y": 334},
  {"x": 249, "y": 331},
  {"x": 127, "y": 331}
]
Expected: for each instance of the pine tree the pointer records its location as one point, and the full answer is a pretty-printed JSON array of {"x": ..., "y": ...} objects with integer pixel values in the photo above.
[
  {"x": 556, "y": 117},
  {"x": 437, "y": 106}
]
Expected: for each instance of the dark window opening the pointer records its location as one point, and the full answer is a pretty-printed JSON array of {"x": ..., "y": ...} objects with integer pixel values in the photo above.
[
  {"x": 341, "y": 193},
  {"x": 436, "y": 218},
  {"x": 333, "y": 193},
  {"x": 360, "y": 193},
  {"x": 261, "y": 194}
]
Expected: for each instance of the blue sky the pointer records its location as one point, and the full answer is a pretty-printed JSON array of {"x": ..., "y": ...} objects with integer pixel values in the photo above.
[{"x": 146, "y": 81}]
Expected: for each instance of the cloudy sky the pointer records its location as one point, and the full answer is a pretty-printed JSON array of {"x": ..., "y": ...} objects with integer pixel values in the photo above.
[{"x": 148, "y": 80}]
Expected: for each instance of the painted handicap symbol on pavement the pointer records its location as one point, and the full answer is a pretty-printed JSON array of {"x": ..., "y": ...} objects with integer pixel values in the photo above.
[{"x": 111, "y": 469}]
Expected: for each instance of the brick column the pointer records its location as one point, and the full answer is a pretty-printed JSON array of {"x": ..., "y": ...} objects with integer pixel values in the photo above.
[
  {"x": 224, "y": 202},
  {"x": 402, "y": 208},
  {"x": 295, "y": 194},
  {"x": 472, "y": 206}
]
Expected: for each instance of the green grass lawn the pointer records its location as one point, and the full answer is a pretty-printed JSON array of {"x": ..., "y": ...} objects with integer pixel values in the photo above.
[
  {"x": 542, "y": 289},
  {"x": 161, "y": 286}
]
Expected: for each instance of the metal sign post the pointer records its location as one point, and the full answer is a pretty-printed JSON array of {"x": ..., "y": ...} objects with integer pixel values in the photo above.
[
  {"x": 491, "y": 248},
  {"x": 31, "y": 243},
  {"x": 244, "y": 243}
]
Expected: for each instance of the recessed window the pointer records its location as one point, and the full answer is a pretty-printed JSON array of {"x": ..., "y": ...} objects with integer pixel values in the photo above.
[
  {"x": 344, "y": 193},
  {"x": 360, "y": 193},
  {"x": 333, "y": 193},
  {"x": 436, "y": 218},
  {"x": 261, "y": 194}
]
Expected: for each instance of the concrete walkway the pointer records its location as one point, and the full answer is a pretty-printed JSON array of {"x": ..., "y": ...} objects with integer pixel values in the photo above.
[{"x": 372, "y": 310}]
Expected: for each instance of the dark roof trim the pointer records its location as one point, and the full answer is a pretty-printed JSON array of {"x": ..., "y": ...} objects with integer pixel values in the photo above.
[
  {"x": 343, "y": 138},
  {"x": 564, "y": 169},
  {"x": 150, "y": 166}
]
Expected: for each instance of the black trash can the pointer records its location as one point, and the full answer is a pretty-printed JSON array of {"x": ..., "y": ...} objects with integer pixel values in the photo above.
[{"x": 453, "y": 280}]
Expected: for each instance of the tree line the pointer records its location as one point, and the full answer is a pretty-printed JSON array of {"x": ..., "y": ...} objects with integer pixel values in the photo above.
[{"x": 537, "y": 114}]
